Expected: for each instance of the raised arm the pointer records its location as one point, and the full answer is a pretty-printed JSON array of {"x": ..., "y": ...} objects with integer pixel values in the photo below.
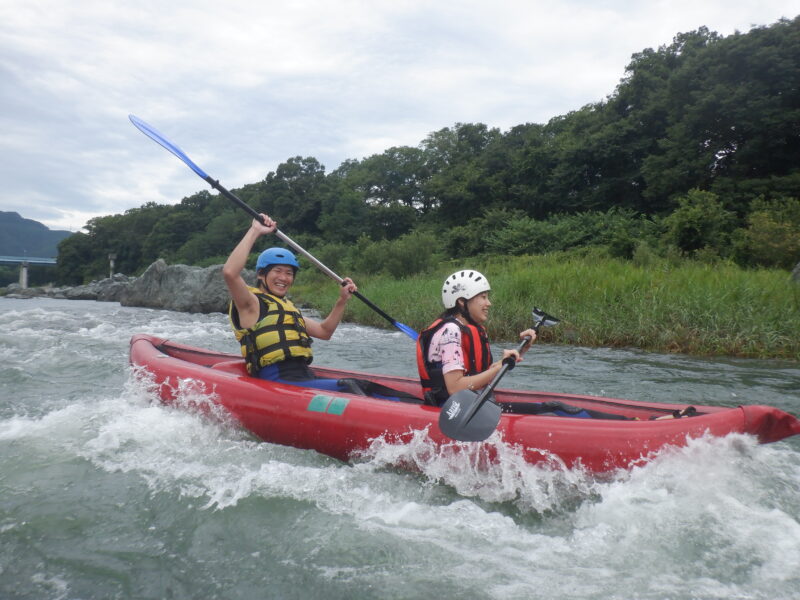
[{"x": 244, "y": 300}]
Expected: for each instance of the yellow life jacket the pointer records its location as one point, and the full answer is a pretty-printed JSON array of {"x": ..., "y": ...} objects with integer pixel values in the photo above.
[{"x": 279, "y": 334}]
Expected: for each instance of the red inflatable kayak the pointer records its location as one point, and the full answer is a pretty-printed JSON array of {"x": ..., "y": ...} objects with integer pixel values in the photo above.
[{"x": 342, "y": 424}]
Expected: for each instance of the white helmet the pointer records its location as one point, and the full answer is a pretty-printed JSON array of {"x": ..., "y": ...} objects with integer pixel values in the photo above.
[{"x": 463, "y": 284}]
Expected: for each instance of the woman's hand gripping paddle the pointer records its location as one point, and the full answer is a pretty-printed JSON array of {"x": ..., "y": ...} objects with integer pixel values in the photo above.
[
  {"x": 157, "y": 137},
  {"x": 471, "y": 417}
]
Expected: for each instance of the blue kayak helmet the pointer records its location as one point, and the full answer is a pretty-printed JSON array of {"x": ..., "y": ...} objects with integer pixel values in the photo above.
[{"x": 276, "y": 256}]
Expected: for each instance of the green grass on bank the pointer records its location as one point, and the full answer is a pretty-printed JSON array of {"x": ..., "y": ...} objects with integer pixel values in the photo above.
[{"x": 688, "y": 307}]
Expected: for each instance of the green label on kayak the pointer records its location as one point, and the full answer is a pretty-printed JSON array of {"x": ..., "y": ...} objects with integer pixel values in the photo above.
[
  {"x": 329, "y": 404},
  {"x": 337, "y": 406},
  {"x": 319, "y": 403}
]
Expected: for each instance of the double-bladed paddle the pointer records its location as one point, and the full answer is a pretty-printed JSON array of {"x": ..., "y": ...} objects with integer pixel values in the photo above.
[
  {"x": 157, "y": 137},
  {"x": 468, "y": 416}
]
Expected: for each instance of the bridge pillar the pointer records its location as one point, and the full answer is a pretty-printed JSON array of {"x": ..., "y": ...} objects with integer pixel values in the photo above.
[{"x": 23, "y": 275}]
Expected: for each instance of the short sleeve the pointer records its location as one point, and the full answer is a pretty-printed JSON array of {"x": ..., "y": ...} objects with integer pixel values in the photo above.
[{"x": 445, "y": 348}]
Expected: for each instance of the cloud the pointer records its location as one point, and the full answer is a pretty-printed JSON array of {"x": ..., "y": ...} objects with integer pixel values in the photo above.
[{"x": 242, "y": 86}]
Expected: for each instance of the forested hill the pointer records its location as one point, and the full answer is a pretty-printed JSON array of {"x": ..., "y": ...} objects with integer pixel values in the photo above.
[
  {"x": 25, "y": 237},
  {"x": 695, "y": 153}
]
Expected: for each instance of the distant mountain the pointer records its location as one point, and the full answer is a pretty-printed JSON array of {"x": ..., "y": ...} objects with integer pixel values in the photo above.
[{"x": 26, "y": 237}]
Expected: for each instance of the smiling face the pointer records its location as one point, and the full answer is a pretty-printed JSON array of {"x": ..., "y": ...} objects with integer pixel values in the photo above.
[
  {"x": 478, "y": 307},
  {"x": 278, "y": 280}
]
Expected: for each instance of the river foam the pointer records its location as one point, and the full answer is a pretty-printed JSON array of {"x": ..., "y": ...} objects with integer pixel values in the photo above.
[{"x": 107, "y": 493}]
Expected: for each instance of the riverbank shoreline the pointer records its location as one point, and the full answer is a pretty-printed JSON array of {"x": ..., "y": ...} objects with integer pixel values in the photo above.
[{"x": 689, "y": 308}]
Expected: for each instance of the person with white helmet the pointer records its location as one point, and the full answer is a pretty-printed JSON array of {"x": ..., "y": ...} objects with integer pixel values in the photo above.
[
  {"x": 275, "y": 338},
  {"x": 453, "y": 352}
]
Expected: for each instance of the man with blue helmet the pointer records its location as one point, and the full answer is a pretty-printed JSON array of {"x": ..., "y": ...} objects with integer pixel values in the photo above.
[{"x": 275, "y": 337}]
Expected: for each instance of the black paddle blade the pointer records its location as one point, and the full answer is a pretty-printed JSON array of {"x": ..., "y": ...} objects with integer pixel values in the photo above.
[
  {"x": 542, "y": 319},
  {"x": 458, "y": 407}
]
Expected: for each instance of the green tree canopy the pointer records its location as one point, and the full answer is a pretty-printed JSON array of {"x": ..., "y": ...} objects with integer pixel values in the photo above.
[{"x": 697, "y": 147}]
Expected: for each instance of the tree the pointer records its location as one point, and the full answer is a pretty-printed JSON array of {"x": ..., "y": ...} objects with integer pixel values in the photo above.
[
  {"x": 343, "y": 215},
  {"x": 734, "y": 106},
  {"x": 170, "y": 233},
  {"x": 711, "y": 113},
  {"x": 518, "y": 167},
  {"x": 219, "y": 238},
  {"x": 74, "y": 252},
  {"x": 772, "y": 236},
  {"x": 457, "y": 184},
  {"x": 396, "y": 176},
  {"x": 293, "y": 194},
  {"x": 700, "y": 221}
]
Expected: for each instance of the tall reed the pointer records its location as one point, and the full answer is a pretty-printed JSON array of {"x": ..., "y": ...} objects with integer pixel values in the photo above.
[{"x": 686, "y": 307}]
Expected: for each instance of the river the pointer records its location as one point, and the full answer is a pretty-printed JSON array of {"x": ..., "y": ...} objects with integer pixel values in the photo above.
[{"x": 104, "y": 493}]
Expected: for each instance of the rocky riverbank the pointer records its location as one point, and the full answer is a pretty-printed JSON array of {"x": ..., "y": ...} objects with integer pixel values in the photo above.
[{"x": 169, "y": 287}]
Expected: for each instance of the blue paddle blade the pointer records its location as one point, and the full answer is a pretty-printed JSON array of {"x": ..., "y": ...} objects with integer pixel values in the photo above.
[
  {"x": 154, "y": 135},
  {"x": 407, "y": 330}
]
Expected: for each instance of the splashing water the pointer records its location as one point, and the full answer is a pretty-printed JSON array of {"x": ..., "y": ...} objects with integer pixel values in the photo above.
[{"x": 106, "y": 493}]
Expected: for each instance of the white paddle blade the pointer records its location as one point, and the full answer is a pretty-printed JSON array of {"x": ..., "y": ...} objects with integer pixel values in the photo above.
[{"x": 542, "y": 319}]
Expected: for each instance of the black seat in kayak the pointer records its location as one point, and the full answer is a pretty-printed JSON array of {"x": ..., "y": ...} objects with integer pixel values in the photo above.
[{"x": 364, "y": 387}]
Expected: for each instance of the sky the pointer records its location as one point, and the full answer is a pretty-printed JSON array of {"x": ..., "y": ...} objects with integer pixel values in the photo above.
[{"x": 242, "y": 86}]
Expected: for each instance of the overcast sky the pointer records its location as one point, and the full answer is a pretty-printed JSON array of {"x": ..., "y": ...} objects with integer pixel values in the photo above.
[{"x": 242, "y": 86}]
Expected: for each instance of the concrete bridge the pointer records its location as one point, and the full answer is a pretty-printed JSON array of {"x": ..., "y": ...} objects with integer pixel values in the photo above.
[{"x": 25, "y": 262}]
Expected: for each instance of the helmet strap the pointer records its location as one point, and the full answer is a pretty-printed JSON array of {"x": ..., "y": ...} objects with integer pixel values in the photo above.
[{"x": 461, "y": 303}]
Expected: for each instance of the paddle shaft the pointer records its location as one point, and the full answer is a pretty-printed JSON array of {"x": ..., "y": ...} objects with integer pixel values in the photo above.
[
  {"x": 159, "y": 138},
  {"x": 247, "y": 208},
  {"x": 484, "y": 395}
]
